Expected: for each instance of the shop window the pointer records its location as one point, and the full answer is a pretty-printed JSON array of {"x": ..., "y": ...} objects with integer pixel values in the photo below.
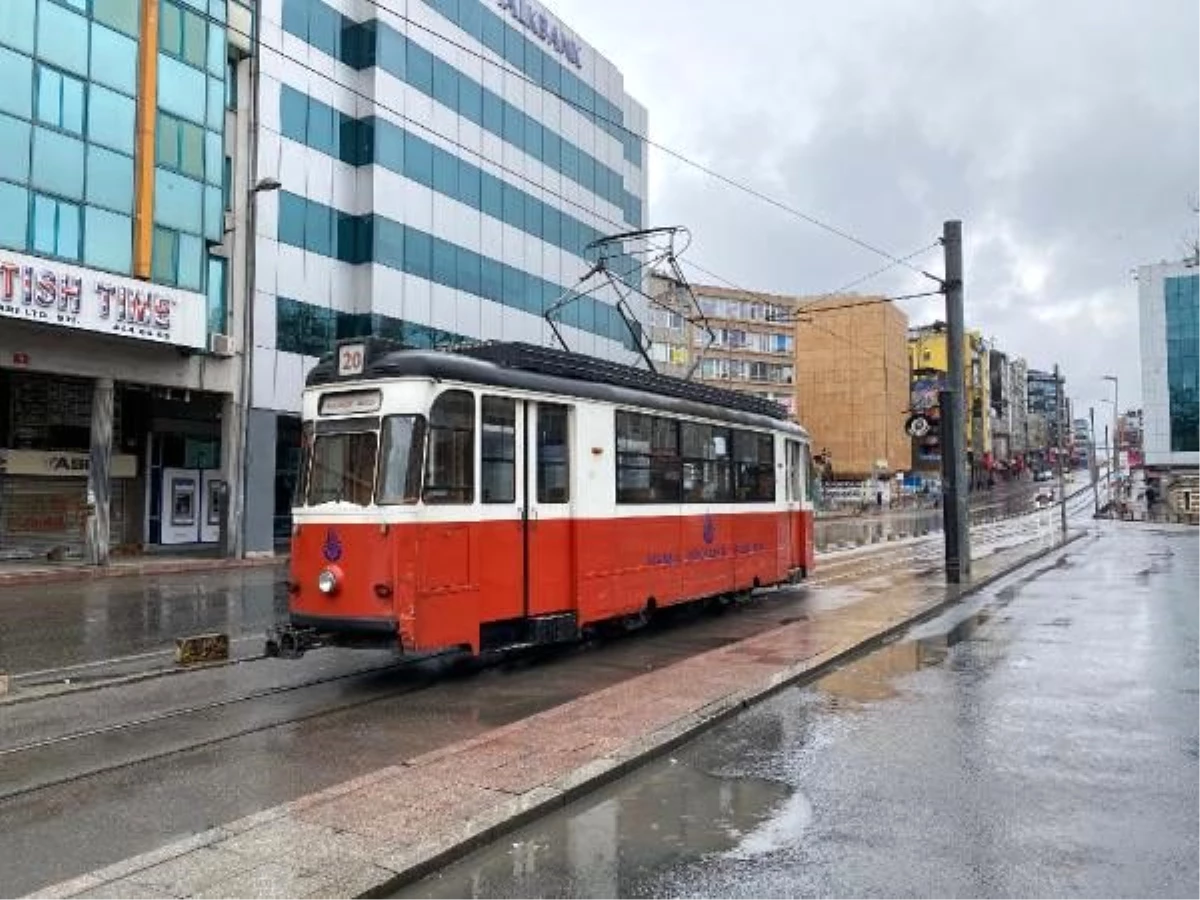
[
  {"x": 16, "y": 25},
  {"x": 109, "y": 179},
  {"x": 17, "y": 96},
  {"x": 111, "y": 119},
  {"x": 114, "y": 59},
  {"x": 191, "y": 262},
  {"x": 62, "y": 36},
  {"x": 178, "y": 201},
  {"x": 216, "y": 295},
  {"x": 107, "y": 240},
  {"x": 55, "y": 227},
  {"x": 182, "y": 33},
  {"x": 58, "y": 163},
  {"x": 163, "y": 254},
  {"x": 499, "y": 450},
  {"x": 14, "y": 138},
  {"x": 182, "y": 90},
  {"x": 60, "y": 100},
  {"x": 181, "y": 145},
  {"x": 553, "y": 455},
  {"x": 14, "y": 216},
  {"x": 449, "y": 464}
]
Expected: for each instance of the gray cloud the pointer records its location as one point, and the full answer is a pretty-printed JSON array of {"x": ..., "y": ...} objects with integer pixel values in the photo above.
[{"x": 1065, "y": 135}]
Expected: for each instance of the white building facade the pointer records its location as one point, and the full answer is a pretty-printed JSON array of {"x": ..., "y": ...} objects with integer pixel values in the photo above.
[
  {"x": 442, "y": 166},
  {"x": 1169, "y": 320}
]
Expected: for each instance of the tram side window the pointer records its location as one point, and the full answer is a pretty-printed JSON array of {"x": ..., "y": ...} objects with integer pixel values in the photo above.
[
  {"x": 754, "y": 467},
  {"x": 707, "y": 476},
  {"x": 399, "y": 477},
  {"x": 649, "y": 468},
  {"x": 499, "y": 457},
  {"x": 450, "y": 459},
  {"x": 553, "y": 460}
]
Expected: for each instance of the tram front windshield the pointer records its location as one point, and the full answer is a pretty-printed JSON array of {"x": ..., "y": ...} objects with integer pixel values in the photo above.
[{"x": 355, "y": 466}]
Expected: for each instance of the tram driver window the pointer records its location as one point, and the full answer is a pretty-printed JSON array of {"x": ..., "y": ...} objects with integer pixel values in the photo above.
[
  {"x": 553, "y": 461},
  {"x": 399, "y": 476},
  {"x": 499, "y": 456},
  {"x": 450, "y": 459}
]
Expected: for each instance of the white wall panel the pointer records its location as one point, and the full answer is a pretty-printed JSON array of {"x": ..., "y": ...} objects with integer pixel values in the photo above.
[
  {"x": 418, "y": 299},
  {"x": 262, "y": 379},
  {"x": 443, "y": 310},
  {"x": 265, "y": 307},
  {"x": 291, "y": 277},
  {"x": 468, "y": 315},
  {"x": 289, "y": 380},
  {"x": 266, "y": 265}
]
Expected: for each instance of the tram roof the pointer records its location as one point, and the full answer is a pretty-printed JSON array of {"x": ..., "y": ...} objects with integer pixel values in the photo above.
[{"x": 547, "y": 370}]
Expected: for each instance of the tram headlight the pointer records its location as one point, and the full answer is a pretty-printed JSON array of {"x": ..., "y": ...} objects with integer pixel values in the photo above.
[{"x": 327, "y": 581}]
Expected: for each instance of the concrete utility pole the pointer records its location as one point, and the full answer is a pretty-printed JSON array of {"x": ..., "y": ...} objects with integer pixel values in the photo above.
[
  {"x": 99, "y": 484},
  {"x": 955, "y": 510},
  {"x": 1060, "y": 404}
]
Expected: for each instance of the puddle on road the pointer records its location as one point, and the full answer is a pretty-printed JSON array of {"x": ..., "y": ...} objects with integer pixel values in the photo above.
[{"x": 697, "y": 804}]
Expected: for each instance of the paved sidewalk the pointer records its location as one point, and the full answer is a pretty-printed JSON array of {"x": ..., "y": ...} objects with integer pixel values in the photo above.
[{"x": 391, "y": 826}]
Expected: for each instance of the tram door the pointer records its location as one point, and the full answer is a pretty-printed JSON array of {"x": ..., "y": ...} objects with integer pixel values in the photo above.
[
  {"x": 793, "y": 497},
  {"x": 549, "y": 526}
]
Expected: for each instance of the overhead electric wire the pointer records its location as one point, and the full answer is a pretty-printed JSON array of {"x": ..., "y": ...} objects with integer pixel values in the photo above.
[{"x": 754, "y": 192}]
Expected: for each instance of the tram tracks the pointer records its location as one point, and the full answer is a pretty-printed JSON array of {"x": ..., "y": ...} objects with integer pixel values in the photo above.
[
  {"x": 80, "y": 753},
  {"x": 19, "y": 778}
]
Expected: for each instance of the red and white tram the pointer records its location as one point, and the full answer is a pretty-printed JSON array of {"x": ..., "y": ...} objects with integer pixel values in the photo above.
[{"x": 505, "y": 494}]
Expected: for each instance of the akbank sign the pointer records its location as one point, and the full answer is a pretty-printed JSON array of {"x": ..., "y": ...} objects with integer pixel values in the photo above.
[
  {"x": 44, "y": 292},
  {"x": 544, "y": 28}
]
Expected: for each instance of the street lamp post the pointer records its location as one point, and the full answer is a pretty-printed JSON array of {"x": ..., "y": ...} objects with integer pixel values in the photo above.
[{"x": 1115, "y": 463}]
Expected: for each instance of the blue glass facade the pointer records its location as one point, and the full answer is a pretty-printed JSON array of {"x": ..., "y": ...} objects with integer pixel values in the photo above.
[
  {"x": 362, "y": 45},
  {"x": 1181, "y": 297},
  {"x": 354, "y": 239},
  {"x": 189, "y": 152},
  {"x": 68, "y": 121},
  {"x": 524, "y": 55},
  {"x": 314, "y": 330},
  {"x": 67, "y": 117},
  {"x": 361, "y": 142}
]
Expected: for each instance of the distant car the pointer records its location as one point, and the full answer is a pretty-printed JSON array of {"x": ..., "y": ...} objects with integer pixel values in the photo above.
[{"x": 1044, "y": 475}]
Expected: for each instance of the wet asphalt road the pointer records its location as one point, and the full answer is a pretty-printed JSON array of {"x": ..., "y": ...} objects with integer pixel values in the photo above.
[
  {"x": 1039, "y": 741},
  {"x": 92, "y": 777},
  {"x": 100, "y": 628},
  {"x": 48, "y": 628}
]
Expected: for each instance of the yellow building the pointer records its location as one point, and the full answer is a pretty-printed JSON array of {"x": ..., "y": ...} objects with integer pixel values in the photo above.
[{"x": 927, "y": 355}]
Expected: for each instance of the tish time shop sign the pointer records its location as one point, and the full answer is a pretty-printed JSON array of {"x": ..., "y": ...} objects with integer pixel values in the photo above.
[{"x": 50, "y": 293}]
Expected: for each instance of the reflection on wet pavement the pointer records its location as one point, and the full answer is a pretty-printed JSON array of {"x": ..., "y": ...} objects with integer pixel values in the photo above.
[
  {"x": 1038, "y": 741},
  {"x": 43, "y": 628}
]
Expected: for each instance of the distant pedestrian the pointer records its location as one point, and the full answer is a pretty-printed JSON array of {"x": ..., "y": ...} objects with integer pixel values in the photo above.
[{"x": 879, "y": 499}]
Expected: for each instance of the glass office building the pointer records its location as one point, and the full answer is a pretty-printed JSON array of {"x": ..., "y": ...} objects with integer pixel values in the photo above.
[
  {"x": 1169, "y": 319},
  {"x": 114, "y": 165},
  {"x": 443, "y": 164}
]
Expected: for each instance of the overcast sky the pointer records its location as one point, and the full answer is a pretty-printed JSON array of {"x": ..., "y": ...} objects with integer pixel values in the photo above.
[{"x": 1064, "y": 135}]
